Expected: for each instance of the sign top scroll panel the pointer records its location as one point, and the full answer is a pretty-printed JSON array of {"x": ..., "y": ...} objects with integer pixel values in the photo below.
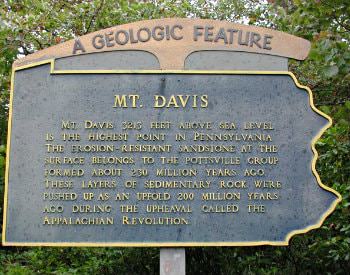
[{"x": 172, "y": 40}]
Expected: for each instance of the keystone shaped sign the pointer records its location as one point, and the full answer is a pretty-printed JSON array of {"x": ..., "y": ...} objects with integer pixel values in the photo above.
[{"x": 159, "y": 153}]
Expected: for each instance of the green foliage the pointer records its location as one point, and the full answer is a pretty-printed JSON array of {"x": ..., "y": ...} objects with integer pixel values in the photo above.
[
  {"x": 2, "y": 160},
  {"x": 334, "y": 166},
  {"x": 326, "y": 24},
  {"x": 81, "y": 261},
  {"x": 27, "y": 26}
]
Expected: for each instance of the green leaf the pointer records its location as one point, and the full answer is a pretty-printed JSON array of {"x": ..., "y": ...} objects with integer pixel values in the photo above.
[
  {"x": 314, "y": 54},
  {"x": 325, "y": 109},
  {"x": 331, "y": 71},
  {"x": 347, "y": 104}
]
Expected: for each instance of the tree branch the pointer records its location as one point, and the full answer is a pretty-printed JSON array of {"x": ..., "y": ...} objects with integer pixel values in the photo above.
[{"x": 93, "y": 17}]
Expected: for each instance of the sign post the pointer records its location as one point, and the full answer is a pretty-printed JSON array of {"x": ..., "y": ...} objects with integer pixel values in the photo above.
[
  {"x": 172, "y": 261},
  {"x": 168, "y": 133}
]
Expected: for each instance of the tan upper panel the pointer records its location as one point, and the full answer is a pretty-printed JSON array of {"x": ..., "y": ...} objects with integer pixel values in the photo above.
[{"x": 172, "y": 40}]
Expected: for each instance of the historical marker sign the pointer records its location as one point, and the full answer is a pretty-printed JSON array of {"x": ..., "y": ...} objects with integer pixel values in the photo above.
[{"x": 147, "y": 156}]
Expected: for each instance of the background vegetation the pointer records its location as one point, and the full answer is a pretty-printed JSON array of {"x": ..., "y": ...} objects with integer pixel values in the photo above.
[{"x": 30, "y": 25}]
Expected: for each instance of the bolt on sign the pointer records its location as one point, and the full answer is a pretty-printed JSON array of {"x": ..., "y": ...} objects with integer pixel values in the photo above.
[{"x": 170, "y": 132}]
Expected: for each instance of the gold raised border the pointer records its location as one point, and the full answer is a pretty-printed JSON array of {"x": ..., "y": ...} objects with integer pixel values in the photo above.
[{"x": 168, "y": 244}]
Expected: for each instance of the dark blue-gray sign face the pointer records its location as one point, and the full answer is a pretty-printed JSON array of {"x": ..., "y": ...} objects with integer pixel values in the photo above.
[{"x": 190, "y": 159}]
